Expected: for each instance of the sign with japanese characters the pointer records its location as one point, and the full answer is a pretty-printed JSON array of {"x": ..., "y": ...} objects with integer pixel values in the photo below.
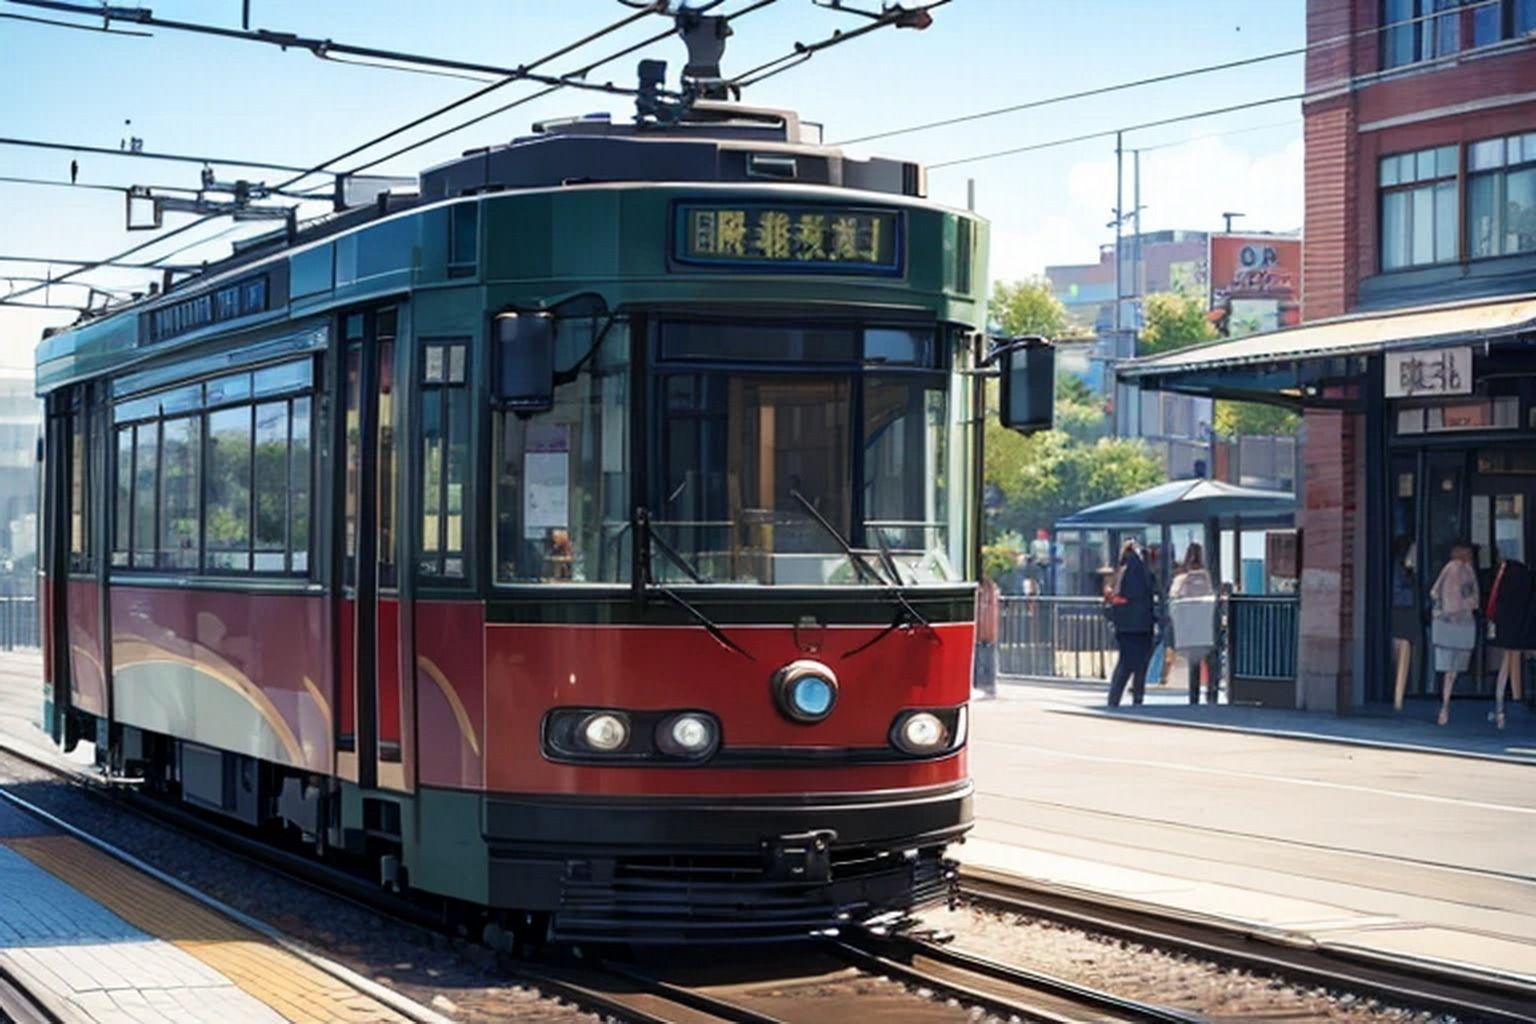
[
  {"x": 790, "y": 238},
  {"x": 1440, "y": 371}
]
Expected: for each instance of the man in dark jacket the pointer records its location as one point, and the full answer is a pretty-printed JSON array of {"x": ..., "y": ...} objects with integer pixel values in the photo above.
[{"x": 1133, "y": 613}]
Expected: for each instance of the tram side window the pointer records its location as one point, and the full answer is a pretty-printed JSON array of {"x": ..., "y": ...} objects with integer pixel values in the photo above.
[
  {"x": 444, "y": 458},
  {"x": 225, "y": 489},
  {"x": 79, "y": 493}
]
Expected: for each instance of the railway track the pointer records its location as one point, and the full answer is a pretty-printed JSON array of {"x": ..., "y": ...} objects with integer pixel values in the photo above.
[
  {"x": 819, "y": 983},
  {"x": 1442, "y": 988}
]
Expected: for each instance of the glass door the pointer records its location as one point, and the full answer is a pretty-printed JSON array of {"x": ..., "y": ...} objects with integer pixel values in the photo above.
[{"x": 1503, "y": 525}]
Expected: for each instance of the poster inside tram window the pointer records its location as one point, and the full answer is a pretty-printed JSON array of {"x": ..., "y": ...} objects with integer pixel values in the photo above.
[{"x": 1255, "y": 283}]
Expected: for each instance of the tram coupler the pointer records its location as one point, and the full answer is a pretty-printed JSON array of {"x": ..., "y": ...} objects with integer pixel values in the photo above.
[{"x": 800, "y": 857}]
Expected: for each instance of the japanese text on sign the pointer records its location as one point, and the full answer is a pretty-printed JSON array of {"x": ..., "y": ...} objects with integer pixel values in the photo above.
[
  {"x": 1444, "y": 371},
  {"x": 790, "y": 237}
]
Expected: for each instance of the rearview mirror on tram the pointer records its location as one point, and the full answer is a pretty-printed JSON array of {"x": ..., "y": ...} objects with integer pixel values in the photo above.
[
  {"x": 525, "y": 361},
  {"x": 1028, "y": 384}
]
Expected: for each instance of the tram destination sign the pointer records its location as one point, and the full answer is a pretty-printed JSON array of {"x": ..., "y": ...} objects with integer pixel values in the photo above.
[
  {"x": 789, "y": 238},
  {"x": 237, "y": 299}
]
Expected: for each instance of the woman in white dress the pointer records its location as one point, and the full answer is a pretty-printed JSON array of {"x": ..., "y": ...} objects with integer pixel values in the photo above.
[
  {"x": 1453, "y": 623},
  {"x": 1192, "y": 610}
]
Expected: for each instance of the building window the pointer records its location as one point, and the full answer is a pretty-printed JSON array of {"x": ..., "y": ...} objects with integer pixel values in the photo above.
[
  {"x": 1418, "y": 208},
  {"x": 1418, "y": 30},
  {"x": 1501, "y": 196},
  {"x": 1497, "y": 20}
]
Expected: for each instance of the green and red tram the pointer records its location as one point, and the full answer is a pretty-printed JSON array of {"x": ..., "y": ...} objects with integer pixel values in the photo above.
[{"x": 586, "y": 540}]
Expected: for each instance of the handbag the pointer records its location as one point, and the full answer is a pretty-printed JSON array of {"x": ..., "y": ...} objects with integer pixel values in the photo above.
[{"x": 1458, "y": 636}]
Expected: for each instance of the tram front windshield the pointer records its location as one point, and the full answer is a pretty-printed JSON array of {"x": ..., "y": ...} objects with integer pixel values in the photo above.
[
  {"x": 775, "y": 445},
  {"x": 768, "y": 447}
]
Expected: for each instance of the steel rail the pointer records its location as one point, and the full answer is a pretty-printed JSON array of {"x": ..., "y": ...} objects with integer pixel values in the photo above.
[
  {"x": 1443, "y": 988},
  {"x": 601, "y": 987},
  {"x": 401, "y": 1004},
  {"x": 997, "y": 987}
]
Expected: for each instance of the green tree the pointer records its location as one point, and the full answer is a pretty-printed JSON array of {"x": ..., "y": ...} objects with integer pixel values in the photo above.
[
  {"x": 1027, "y": 307},
  {"x": 1172, "y": 321},
  {"x": 1048, "y": 475},
  {"x": 1234, "y": 419}
]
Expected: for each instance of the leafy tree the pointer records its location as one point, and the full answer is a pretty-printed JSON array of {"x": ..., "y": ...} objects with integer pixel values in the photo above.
[
  {"x": 1046, "y": 476},
  {"x": 1234, "y": 419},
  {"x": 1027, "y": 307},
  {"x": 1172, "y": 321}
]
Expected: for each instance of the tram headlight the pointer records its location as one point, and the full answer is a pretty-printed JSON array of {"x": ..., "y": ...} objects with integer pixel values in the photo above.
[
  {"x": 805, "y": 690},
  {"x": 687, "y": 735},
  {"x": 927, "y": 732},
  {"x": 604, "y": 732}
]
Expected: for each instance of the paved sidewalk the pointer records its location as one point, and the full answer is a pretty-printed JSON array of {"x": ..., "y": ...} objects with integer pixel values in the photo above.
[
  {"x": 1469, "y": 733},
  {"x": 1356, "y": 832}
]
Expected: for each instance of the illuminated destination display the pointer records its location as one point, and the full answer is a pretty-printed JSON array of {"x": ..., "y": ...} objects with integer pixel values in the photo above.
[{"x": 790, "y": 238}]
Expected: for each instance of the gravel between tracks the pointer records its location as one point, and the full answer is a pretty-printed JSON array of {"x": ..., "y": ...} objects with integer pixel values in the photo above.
[
  {"x": 1168, "y": 978},
  {"x": 425, "y": 967}
]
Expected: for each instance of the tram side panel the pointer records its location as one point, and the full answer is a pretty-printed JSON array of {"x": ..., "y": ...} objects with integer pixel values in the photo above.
[
  {"x": 87, "y": 682},
  {"x": 240, "y": 672}
]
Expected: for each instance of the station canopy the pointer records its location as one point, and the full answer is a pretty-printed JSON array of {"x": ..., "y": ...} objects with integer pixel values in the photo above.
[
  {"x": 1282, "y": 365},
  {"x": 1188, "y": 501}
]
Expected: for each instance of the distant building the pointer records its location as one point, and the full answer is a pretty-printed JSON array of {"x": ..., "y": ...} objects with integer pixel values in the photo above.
[
  {"x": 21, "y": 418},
  {"x": 1415, "y": 363},
  {"x": 1171, "y": 261}
]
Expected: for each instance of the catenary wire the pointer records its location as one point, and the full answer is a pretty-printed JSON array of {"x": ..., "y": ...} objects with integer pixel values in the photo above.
[
  {"x": 185, "y": 158},
  {"x": 1138, "y": 83}
]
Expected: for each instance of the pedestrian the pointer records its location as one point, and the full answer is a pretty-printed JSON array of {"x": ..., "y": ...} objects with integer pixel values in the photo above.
[
  {"x": 985, "y": 667},
  {"x": 1511, "y": 626},
  {"x": 1192, "y": 613},
  {"x": 1453, "y": 625},
  {"x": 1131, "y": 607},
  {"x": 1162, "y": 651}
]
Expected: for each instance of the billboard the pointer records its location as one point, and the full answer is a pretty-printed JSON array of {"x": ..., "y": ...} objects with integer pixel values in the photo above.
[{"x": 1255, "y": 283}]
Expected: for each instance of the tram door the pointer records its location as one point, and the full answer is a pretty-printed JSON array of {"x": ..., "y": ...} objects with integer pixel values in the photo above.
[{"x": 372, "y": 633}]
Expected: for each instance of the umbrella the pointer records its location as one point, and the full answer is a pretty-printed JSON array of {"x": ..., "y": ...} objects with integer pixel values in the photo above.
[{"x": 1188, "y": 501}]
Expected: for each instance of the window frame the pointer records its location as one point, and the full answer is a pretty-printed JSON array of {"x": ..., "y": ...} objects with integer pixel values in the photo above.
[
  {"x": 1432, "y": 184},
  {"x": 441, "y": 390},
  {"x": 1499, "y": 175},
  {"x": 198, "y": 399}
]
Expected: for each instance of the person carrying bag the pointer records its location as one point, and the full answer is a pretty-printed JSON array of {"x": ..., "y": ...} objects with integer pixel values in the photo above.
[
  {"x": 1453, "y": 622},
  {"x": 1192, "y": 612},
  {"x": 1130, "y": 606}
]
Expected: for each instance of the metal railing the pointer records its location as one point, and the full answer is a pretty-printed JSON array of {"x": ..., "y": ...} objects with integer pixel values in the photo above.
[
  {"x": 1070, "y": 638},
  {"x": 18, "y": 623},
  {"x": 1261, "y": 636},
  {"x": 1054, "y": 638}
]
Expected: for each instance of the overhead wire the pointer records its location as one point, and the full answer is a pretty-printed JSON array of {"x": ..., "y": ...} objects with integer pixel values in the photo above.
[
  {"x": 183, "y": 228},
  {"x": 540, "y": 94},
  {"x": 1138, "y": 83},
  {"x": 186, "y": 158},
  {"x": 803, "y": 52},
  {"x": 108, "y": 31}
]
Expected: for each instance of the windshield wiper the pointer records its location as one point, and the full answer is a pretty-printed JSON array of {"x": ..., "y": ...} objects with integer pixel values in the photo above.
[
  {"x": 906, "y": 615},
  {"x": 646, "y": 535}
]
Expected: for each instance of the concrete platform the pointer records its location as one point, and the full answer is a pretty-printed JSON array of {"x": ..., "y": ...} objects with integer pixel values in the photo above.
[
  {"x": 103, "y": 943},
  {"x": 1387, "y": 847}
]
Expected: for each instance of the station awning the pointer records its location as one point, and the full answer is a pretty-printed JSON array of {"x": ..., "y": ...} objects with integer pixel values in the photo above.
[
  {"x": 1187, "y": 501},
  {"x": 1264, "y": 364}
]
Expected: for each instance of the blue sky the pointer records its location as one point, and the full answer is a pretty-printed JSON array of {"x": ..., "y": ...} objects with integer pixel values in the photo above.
[{"x": 200, "y": 94}]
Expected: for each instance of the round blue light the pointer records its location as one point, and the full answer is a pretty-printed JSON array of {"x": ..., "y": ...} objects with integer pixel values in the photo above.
[{"x": 812, "y": 696}]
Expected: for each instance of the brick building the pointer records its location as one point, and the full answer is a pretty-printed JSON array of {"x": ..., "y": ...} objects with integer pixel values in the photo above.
[{"x": 1416, "y": 362}]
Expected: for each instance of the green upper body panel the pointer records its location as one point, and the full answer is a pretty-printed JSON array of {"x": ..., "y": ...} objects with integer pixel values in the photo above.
[{"x": 532, "y": 249}]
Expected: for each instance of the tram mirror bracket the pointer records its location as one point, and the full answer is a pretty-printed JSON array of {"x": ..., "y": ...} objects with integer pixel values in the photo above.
[
  {"x": 525, "y": 361},
  {"x": 1027, "y": 382}
]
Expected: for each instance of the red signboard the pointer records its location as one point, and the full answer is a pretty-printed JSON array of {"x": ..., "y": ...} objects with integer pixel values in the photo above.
[{"x": 1255, "y": 282}]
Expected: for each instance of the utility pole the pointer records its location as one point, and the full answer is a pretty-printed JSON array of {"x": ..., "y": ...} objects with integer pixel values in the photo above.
[
  {"x": 1119, "y": 205},
  {"x": 1136, "y": 275},
  {"x": 1229, "y": 218},
  {"x": 970, "y": 195}
]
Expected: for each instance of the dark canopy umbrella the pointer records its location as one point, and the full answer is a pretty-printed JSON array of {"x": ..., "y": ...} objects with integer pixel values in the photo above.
[{"x": 1188, "y": 501}]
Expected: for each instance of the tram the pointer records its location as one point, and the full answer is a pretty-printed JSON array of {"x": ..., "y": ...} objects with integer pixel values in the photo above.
[{"x": 585, "y": 539}]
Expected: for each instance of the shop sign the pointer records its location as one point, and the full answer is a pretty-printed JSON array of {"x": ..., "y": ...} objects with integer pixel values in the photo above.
[{"x": 1440, "y": 371}]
